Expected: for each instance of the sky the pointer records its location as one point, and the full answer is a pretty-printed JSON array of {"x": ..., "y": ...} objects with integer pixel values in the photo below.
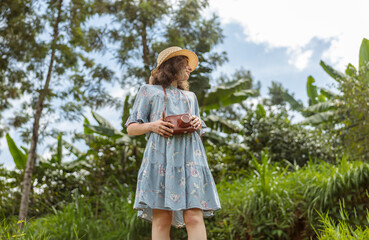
[{"x": 277, "y": 40}]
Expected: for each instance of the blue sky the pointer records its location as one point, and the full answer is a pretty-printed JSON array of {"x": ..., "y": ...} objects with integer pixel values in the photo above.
[
  {"x": 276, "y": 43},
  {"x": 267, "y": 65}
]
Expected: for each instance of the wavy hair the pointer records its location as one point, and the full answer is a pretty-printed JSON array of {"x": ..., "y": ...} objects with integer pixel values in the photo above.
[{"x": 170, "y": 70}]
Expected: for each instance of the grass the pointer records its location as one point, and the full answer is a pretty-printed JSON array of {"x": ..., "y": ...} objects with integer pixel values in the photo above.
[
  {"x": 273, "y": 201},
  {"x": 115, "y": 219},
  {"x": 341, "y": 230}
]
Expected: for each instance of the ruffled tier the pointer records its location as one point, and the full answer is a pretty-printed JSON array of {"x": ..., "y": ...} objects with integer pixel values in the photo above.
[{"x": 175, "y": 178}]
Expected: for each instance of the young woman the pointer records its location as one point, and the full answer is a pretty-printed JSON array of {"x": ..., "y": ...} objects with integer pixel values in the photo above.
[{"x": 175, "y": 186}]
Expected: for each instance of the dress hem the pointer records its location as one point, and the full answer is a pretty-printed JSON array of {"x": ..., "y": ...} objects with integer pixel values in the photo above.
[{"x": 181, "y": 209}]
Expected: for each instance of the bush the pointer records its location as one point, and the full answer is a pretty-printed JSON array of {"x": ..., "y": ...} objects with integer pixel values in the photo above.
[
  {"x": 262, "y": 205},
  {"x": 109, "y": 217},
  {"x": 343, "y": 230},
  {"x": 274, "y": 130},
  {"x": 271, "y": 201}
]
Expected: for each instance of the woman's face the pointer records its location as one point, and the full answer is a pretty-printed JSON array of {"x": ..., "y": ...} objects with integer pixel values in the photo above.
[{"x": 186, "y": 72}]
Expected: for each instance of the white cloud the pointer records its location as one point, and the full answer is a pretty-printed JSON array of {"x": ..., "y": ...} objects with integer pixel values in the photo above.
[
  {"x": 293, "y": 24},
  {"x": 299, "y": 59}
]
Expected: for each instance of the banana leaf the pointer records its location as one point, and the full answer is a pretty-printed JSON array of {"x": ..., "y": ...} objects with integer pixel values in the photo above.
[
  {"x": 321, "y": 117},
  {"x": 227, "y": 94},
  {"x": 364, "y": 53},
  {"x": 323, "y": 106},
  {"x": 102, "y": 121},
  {"x": 20, "y": 158},
  {"x": 336, "y": 75},
  {"x": 220, "y": 124}
]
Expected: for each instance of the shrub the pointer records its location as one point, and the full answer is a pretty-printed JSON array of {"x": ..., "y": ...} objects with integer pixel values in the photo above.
[{"x": 343, "y": 230}]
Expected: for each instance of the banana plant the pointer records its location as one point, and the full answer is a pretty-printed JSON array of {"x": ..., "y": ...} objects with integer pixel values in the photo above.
[
  {"x": 224, "y": 95},
  {"x": 105, "y": 128},
  {"x": 324, "y": 106},
  {"x": 81, "y": 157},
  {"x": 128, "y": 145},
  {"x": 19, "y": 155},
  {"x": 57, "y": 157},
  {"x": 364, "y": 58}
]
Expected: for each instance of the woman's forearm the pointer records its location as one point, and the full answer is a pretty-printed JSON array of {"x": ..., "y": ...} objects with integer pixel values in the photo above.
[{"x": 138, "y": 128}]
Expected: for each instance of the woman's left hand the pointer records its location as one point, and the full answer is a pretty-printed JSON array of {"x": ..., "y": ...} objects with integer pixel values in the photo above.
[{"x": 196, "y": 122}]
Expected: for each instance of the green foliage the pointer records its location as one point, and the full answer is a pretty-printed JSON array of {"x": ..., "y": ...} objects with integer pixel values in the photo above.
[
  {"x": 18, "y": 32},
  {"x": 55, "y": 182},
  {"x": 268, "y": 210},
  {"x": 62, "y": 54},
  {"x": 321, "y": 117},
  {"x": 279, "y": 96},
  {"x": 323, "y": 106},
  {"x": 342, "y": 230},
  {"x": 345, "y": 115},
  {"x": 189, "y": 29},
  {"x": 220, "y": 124},
  {"x": 226, "y": 94},
  {"x": 355, "y": 130},
  {"x": 105, "y": 128},
  {"x": 19, "y": 157},
  {"x": 120, "y": 151},
  {"x": 274, "y": 130},
  {"x": 10, "y": 181},
  {"x": 272, "y": 203},
  {"x": 269, "y": 201},
  {"x": 226, "y": 161},
  {"x": 348, "y": 181},
  {"x": 115, "y": 219},
  {"x": 311, "y": 90},
  {"x": 144, "y": 28},
  {"x": 336, "y": 75},
  {"x": 221, "y": 114},
  {"x": 266, "y": 203},
  {"x": 125, "y": 114},
  {"x": 59, "y": 149},
  {"x": 364, "y": 53}
]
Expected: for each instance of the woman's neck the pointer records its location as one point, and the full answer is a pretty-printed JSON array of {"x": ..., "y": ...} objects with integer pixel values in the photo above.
[{"x": 174, "y": 84}]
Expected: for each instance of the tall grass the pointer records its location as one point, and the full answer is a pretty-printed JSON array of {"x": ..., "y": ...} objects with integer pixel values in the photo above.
[
  {"x": 342, "y": 230},
  {"x": 259, "y": 206},
  {"x": 347, "y": 181},
  {"x": 10, "y": 230},
  {"x": 272, "y": 201},
  {"x": 116, "y": 219}
]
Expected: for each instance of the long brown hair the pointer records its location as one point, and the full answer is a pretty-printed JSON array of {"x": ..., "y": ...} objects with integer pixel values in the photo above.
[{"x": 170, "y": 70}]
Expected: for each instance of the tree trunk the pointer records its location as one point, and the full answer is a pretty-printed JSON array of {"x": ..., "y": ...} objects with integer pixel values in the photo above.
[
  {"x": 145, "y": 53},
  {"x": 27, "y": 181},
  {"x": 123, "y": 160}
]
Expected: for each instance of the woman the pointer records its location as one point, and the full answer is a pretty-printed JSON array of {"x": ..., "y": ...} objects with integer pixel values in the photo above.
[{"x": 175, "y": 186}]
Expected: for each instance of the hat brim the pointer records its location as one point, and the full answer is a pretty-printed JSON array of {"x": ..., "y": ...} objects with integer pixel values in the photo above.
[{"x": 193, "y": 60}]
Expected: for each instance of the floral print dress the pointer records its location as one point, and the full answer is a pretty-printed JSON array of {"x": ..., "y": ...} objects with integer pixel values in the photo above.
[{"x": 174, "y": 173}]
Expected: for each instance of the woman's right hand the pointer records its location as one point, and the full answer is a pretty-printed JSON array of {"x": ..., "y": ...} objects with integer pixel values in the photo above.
[{"x": 162, "y": 128}]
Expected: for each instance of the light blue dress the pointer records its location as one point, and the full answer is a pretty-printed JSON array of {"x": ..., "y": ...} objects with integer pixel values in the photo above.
[{"x": 174, "y": 173}]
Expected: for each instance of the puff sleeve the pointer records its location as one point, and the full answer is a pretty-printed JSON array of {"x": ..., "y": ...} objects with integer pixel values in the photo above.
[
  {"x": 140, "y": 111},
  {"x": 197, "y": 113}
]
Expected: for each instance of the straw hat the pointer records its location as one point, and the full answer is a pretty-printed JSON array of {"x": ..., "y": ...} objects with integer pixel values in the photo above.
[{"x": 177, "y": 51}]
